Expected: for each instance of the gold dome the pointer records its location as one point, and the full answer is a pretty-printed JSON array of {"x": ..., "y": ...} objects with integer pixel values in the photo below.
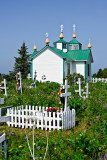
[
  {"x": 61, "y": 35},
  {"x": 47, "y": 41},
  {"x": 74, "y": 35},
  {"x": 89, "y": 45},
  {"x": 35, "y": 48}
]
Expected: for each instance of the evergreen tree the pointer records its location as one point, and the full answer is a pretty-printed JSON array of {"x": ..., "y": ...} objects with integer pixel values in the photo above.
[
  {"x": 105, "y": 73},
  {"x": 21, "y": 63},
  {"x": 94, "y": 75},
  {"x": 100, "y": 73}
]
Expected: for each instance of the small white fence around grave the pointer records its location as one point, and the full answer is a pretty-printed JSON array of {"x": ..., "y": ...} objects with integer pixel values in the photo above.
[
  {"x": 32, "y": 115},
  {"x": 95, "y": 80}
]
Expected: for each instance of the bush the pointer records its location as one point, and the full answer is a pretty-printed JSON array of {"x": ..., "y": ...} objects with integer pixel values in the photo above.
[{"x": 73, "y": 78}]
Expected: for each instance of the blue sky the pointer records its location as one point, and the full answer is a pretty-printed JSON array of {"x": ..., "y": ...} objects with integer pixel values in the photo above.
[{"x": 29, "y": 20}]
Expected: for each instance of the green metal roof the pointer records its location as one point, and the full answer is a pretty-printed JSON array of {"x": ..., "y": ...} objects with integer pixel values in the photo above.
[
  {"x": 60, "y": 41},
  {"x": 79, "y": 55},
  {"x": 75, "y": 55},
  {"x": 34, "y": 53},
  {"x": 60, "y": 52},
  {"x": 74, "y": 41}
]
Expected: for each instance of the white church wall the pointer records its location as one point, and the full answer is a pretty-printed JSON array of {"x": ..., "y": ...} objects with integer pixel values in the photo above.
[
  {"x": 50, "y": 65},
  {"x": 59, "y": 46},
  {"x": 78, "y": 67}
]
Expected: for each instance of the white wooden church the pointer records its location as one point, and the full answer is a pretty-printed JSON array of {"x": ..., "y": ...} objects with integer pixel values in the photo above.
[{"x": 55, "y": 63}]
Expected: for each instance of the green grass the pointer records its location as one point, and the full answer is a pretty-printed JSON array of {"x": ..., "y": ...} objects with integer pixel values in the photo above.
[{"x": 86, "y": 141}]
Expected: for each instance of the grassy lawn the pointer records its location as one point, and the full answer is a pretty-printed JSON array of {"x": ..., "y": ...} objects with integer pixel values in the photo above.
[{"x": 86, "y": 141}]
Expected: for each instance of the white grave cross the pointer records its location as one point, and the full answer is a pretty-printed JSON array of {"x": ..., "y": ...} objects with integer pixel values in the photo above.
[
  {"x": 80, "y": 90},
  {"x": 35, "y": 75},
  {"x": 66, "y": 94},
  {"x": 20, "y": 81},
  {"x": 87, "y": 93},
  {"x": 4, "y": 87}
]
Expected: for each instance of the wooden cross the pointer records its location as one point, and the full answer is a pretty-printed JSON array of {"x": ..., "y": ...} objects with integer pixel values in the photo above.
[
  {"x": 80, "y": 90},
  {"x": 66, "y": 94},
  {"x": 87, "y": 93},
  {"x": 3, "y": 144},
  {"x": 20, "y": 81},
  {"x": 35, "y": 75},
  {"x": 5, "y": 88}
]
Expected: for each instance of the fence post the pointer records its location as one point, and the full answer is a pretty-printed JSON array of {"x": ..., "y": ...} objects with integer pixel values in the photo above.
[
  {"x": 15, "y": 117},
  {"x": 49, "y": 120},
  {"x": 53, "y": 120},
  {"x": 22, "y": 117},
  {"x": 19, "y": 117}
]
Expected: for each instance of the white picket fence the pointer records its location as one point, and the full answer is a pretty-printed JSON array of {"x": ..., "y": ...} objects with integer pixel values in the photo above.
[
  {"x": 94, "y": 80},
  {"x": 33, "y": 115}
]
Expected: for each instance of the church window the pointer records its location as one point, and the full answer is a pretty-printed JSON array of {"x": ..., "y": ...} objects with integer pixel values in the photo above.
[
  {"x": 64, "y": 45},
  {"x": 88, "y": 70},
  {"x": 68, "y": 68},
  {"x": 75, "y": 47},
  {"x": 70, "y": 47}
]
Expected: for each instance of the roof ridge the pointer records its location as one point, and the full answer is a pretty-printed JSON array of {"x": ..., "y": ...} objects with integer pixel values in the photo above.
[
  {"x": 60, "y": 40},
  {"x": 74, "y": 41}
]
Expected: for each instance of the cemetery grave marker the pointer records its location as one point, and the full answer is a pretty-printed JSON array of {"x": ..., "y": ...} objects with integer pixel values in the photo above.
[
  {"x": 3, "y": 144},
  {"x": 87, "y": 93},
  {"x": 35, "y": 75},
  {"x": 3, "y": 87},
  {"x": 33, "y": 85},
  {"x": 29, "y": 77},
  {"x": 19, "y": 83},
  {"x": 80, "y": 90},
  {"x": 66, "y": 94}
]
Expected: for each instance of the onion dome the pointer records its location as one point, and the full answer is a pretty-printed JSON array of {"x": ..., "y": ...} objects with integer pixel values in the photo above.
[
  {"x": 34, "y": 48},
  {"x": 61, "y": 35},
  {"x": 47, "y": 41},
  {"x": 74, "y": 35},
  {"x": 89, "y": 45}
]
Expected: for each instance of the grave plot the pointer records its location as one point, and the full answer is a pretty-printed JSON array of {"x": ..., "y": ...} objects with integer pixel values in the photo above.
[
  {"x": 47, "y": 119},
  {"x": 26, "y": 118}
]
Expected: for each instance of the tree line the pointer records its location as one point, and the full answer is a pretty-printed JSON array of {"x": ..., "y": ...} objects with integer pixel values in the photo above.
[{"x": 101, "y": 73}]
